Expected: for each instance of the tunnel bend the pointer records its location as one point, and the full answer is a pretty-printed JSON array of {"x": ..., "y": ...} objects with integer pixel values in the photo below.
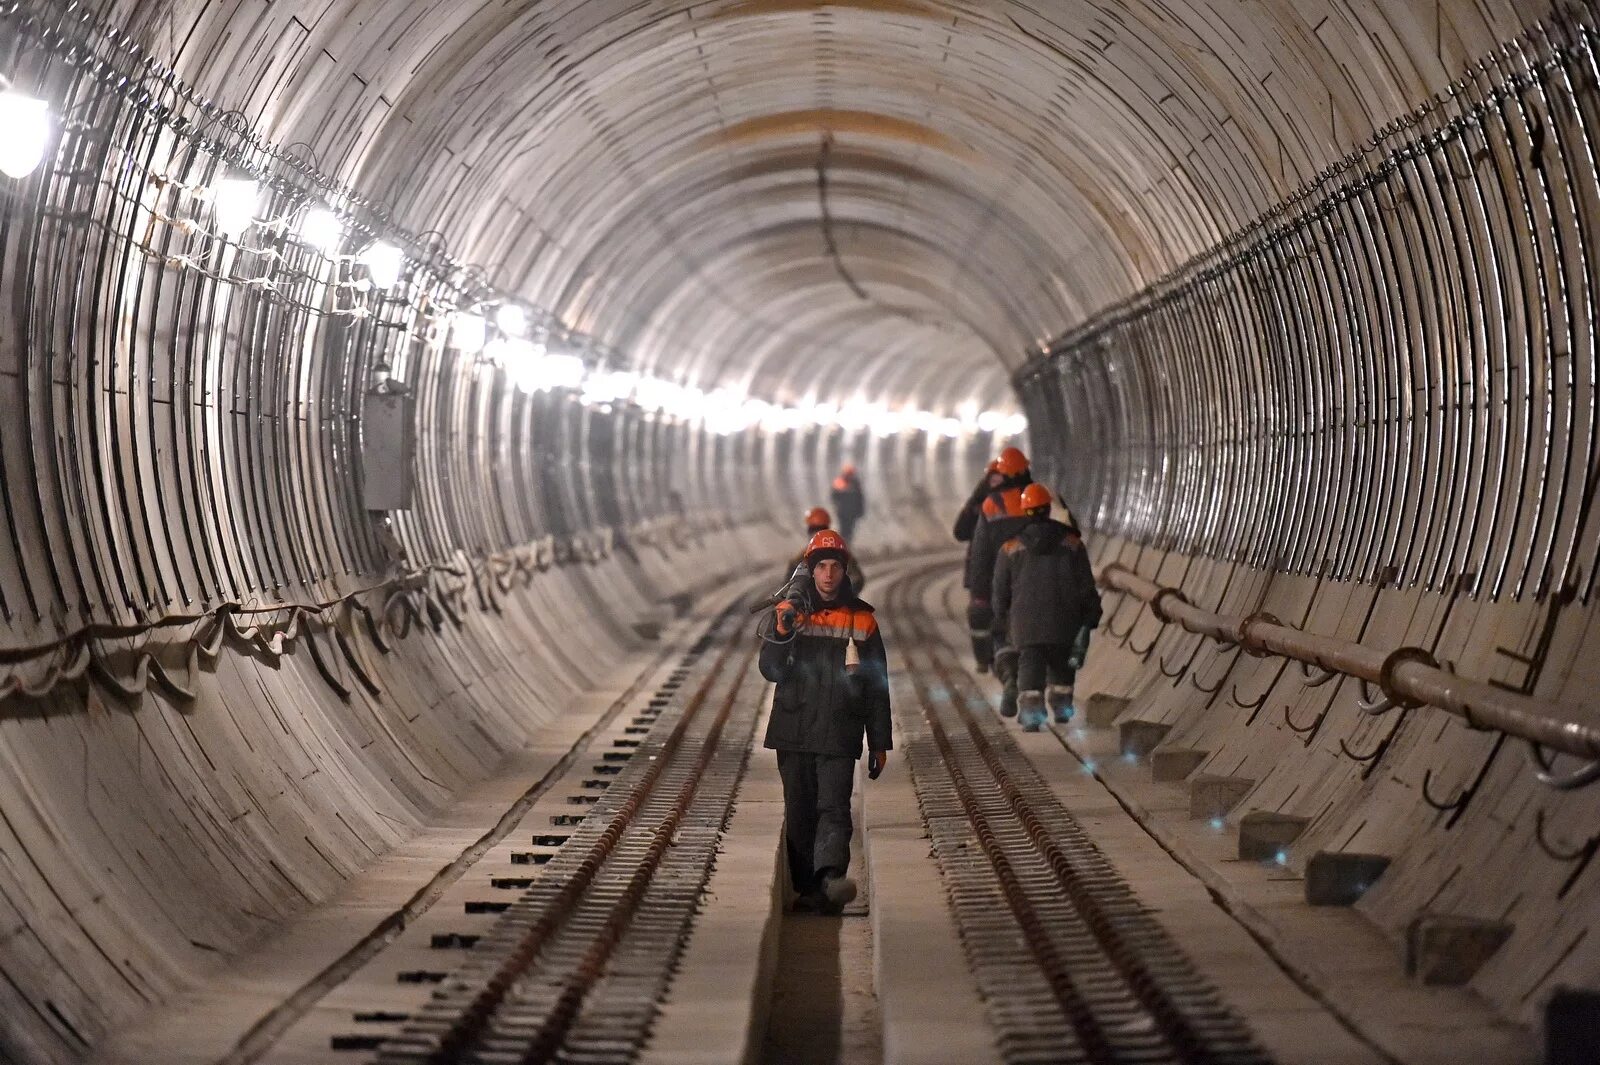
[{"x": 1143, "y": 218}]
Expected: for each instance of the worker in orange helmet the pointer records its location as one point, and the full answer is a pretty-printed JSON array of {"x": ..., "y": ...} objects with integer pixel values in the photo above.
[
  {"x": 966, "y": 525},
  {"x": 1045, "y": 604},
  {"x": 1000, "y": 517},
  {"x": 817, "y": 519},
  {"x": 849, "y": 501},
  {"x": 827, "y": 658}
]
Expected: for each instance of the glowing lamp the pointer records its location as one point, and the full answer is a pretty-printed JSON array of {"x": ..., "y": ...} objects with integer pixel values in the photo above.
[
  {"x": 383, "y": 261},
  {"x": 321, "y": 229},
  {"x": 233, "y": 200},
  {"x": 24, "y": 133}
]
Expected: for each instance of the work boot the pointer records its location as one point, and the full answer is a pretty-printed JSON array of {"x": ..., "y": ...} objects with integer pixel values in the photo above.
[
  {"x": 837, "y": 891},
  {"x": 1031, "y": 711},
  {"x": 1058, "y": 697},
  {"x": 1008, "y": 702}
]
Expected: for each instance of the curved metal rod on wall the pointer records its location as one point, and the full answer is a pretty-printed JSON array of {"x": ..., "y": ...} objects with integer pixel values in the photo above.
[
  {"x": 1578, "y": 857},
  {"x": 1151, "y": 646},
  {"x": 1544, "y": 771},
  {"x": 1221, "y": 678},
  {"x": 1318, "y": 681},
  {"x": 1457, "y": 806},
  {"x": 1181, "y": 670}
]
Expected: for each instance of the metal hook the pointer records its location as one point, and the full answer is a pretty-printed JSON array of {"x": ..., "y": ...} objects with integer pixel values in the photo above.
[
  {"x": 1544, "y": 770},
  {"x": 1181, "y": 670},
  {"x": 1145, "y": 654},
  {"x": 1305, "y": 730},
  {"x": 1579, "y": 856},
  {"x": 1327, "y": 675}
]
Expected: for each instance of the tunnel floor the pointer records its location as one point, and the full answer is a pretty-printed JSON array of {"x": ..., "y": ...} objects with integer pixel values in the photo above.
[{"x": 615, "y": 894}]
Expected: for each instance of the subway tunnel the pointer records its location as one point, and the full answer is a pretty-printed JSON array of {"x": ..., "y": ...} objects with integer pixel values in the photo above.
[{"x": 409, "y": 405}]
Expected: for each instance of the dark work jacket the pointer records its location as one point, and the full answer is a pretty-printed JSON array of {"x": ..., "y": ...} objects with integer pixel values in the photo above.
[
  {"x": 1003, "y": 517},
  {"x": 1043, "y": 587},
  {"x": 819, "y": 708},
  {"x": 849, "y": 501},
  {"x": 972, "y": 512}
]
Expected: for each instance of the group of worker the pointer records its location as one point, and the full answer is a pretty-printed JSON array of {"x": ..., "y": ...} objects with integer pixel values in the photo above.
[
  {"x": 1032, "y": 606},
  {"x": 1032, "y": 597}
]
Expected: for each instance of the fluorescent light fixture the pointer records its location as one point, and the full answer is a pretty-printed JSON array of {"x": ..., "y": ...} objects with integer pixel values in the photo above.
[
  {"x": 321, "y": 229},
  {"x": 512, "y": 319},
  {"x": 233, "y": 202},
  {"x": 469, "y": 332},
  {"x": 24, "y": 133},
  {"x": 383, "y": 261},
  {"x": 560, "y": 371}
]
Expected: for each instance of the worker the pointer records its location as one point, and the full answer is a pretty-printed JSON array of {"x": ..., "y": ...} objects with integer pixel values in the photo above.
[
  {"x": 1000, "y": 517},
  {"x": 817, "y": 519},
  {"x": 966, "y": 524},
  {"x": 1045, "y": 604},
  {"x": 849, "y": 501},
  {"x": 827, "y": 659}
]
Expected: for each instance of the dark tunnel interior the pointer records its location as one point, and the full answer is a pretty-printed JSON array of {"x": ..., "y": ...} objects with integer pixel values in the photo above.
[{"x": 378, "y": 375}]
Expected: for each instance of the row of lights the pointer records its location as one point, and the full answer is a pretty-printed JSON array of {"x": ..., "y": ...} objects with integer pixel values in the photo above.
[{"x": 531, "y": 365}]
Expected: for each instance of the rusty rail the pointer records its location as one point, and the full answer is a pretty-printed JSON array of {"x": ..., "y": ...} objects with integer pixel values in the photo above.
[{"x": 1408, "y": 676}]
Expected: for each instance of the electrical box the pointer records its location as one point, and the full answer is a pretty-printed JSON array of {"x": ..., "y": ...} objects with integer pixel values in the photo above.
[{"x": 388, "y": 449}]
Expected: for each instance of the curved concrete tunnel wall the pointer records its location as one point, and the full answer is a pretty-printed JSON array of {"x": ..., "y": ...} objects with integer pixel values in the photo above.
[{"x": 901, "y": 201}]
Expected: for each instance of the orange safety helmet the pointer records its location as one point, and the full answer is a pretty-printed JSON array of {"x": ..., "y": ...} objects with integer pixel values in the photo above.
[
  {"x": 1011, "y": 462},
  {"x": 1036, "y": 497},
  {"x": 818, "y": 518},
  {"x": 825, "y": 544},
  {"x": 848, "y": 469}
]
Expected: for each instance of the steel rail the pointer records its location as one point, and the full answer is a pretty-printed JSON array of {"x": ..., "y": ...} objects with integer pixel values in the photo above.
[
  {"x": 1195, "y": 1027},
  {"x": 1407, "y": 676}
]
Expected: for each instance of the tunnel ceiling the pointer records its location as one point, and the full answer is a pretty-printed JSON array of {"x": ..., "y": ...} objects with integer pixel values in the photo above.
[{"x": 891, "y": 198}]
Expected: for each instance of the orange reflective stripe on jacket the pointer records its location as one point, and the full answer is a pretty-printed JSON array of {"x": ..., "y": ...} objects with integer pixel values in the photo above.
[
  {"x": 840, "y": 623},
  {"x": 1006, "y": 503}
]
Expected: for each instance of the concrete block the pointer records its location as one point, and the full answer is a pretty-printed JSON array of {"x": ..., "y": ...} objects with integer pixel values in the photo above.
[
  {"x": 1572, "y": 1027},
  {"x": 1212, "y": 795},
  {"x": 1447, "y": 949},
  {"x": 1139, "y": 738},
  {"x": 1175, "y": 763},
  {"x": 1340, "y": 878},
  {"x": 1102, "y": 710},
  {"x": 1263, "y": 835}
]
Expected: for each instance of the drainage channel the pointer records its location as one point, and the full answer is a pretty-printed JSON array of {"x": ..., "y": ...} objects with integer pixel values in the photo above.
[
  {"x": 575, "y": 967},
  {"x": 1071, "y": 966}
]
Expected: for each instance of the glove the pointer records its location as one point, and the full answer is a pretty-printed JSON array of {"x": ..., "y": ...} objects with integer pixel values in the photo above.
[
  {"x": 1080, "y": 649},
  {"x": 876, "y": 760},
  {"x": 785, "y": 617}
]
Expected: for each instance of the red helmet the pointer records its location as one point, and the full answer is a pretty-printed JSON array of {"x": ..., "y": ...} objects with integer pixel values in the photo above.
[
  {"x": 1011, "y": 462},
  {"x": 826, "y": 544},
  {"x": 847, "y": 470},
  {"x": 818, "y": 518},
  {"x": 1036, "y": 497}
]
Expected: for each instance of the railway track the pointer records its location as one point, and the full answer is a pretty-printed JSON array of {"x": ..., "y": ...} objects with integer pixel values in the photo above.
[
  {"x": 1072, "y": 968},
  {"x": 576, "y": 966}
]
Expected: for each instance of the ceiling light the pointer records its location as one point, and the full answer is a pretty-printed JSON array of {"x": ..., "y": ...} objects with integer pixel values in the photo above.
[
  {"x": 512, "y": 319},
  {"x": 383, "y": 261},
  {"x": 321, "y": 229},
  {"x": 24, "y": 133},
  {"x": 233, "y": 202},
  {"x": 469, "y": 332}
]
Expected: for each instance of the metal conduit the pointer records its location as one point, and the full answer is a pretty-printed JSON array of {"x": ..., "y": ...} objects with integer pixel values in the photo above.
[
  {"x": 1408, "y": 676},
  {"x": 1397, "y": 367}
]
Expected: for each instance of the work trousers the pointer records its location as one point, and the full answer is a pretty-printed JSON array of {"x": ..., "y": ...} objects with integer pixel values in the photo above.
[
  {"x": 1042, "y": 664},
  {"x": 980, "y": 625},
  {"x": 816, "y": 814}
]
